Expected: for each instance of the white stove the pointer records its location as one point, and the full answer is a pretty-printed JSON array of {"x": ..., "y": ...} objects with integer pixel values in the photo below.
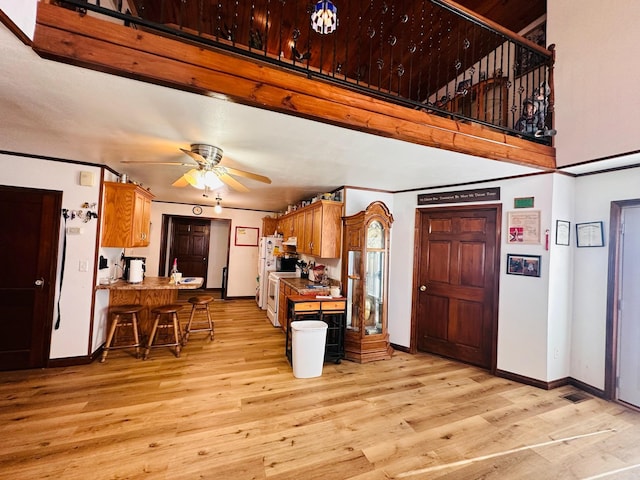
[{"x": 272, "y": 294}]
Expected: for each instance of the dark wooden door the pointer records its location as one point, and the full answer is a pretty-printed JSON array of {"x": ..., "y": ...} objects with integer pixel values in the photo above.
[
  {"x": 457, "y": 283},
  {"x": 190, "y": 245},
  {"x": 29, "y": 239}
]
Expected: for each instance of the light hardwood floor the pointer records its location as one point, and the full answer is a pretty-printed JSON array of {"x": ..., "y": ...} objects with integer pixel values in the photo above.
[{"x": 232, "y": 409}]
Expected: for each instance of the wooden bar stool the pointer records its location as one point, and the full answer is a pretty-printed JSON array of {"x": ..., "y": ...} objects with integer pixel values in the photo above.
[
  {"x": 123, "y": 316},
  {"x": 201, "y": 303},
  {"x": 166, "y": 318}
]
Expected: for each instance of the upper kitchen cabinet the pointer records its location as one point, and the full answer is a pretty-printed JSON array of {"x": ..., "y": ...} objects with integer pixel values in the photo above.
[
  {"x": 317, "y": 227},
  {"x": 127, "y": 215}
]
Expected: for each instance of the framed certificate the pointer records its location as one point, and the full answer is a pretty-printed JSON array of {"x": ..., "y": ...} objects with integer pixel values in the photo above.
[
  {"x": 563, "y": 231},
  {"x": 589, "y": 234},
  {"x": 523, "y": 227}
]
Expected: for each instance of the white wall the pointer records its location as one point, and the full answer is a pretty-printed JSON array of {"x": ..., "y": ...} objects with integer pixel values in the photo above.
[
  {"x": 243, "y": 261},
  {"x": 596, "y": 77},
  {"x": 560, "y": 308},
  {"x": 22, "y": 13},
  {"x": 72, "y": 338},
  {"x": 594, "y": 195},
  {"x": 219, "y": 241}
]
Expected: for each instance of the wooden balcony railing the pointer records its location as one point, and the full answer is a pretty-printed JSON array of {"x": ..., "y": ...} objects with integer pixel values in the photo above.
[{"x": 435, "y": 76}]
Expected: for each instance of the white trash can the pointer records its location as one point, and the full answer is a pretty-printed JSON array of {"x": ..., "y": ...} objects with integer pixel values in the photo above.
[{"x": 307, "y": 344}]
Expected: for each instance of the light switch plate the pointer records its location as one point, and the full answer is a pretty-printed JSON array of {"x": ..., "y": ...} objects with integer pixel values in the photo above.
[{"x": 86, "y": 179}]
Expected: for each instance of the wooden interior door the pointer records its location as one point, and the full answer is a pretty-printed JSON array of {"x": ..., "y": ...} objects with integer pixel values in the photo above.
[
  {"x": 457, "y": 272},
  {"x": 190, "y": 245},
  {"x": 29, "y": 239}
]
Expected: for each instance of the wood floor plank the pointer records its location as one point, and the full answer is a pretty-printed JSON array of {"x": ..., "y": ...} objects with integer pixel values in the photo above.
[{"x": 231, "y": 408}]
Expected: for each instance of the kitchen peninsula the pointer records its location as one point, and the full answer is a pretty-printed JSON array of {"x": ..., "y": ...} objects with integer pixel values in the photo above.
[{"x": 150, "y": 293}]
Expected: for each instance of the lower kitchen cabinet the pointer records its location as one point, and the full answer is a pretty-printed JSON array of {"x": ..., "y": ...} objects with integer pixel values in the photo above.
[{"x": 332, "y": 311}]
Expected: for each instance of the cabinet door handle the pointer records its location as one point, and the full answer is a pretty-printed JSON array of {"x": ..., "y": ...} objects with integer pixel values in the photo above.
[
  {"x": 39, "y": 282},
  {"x": 423, "y": 288}
]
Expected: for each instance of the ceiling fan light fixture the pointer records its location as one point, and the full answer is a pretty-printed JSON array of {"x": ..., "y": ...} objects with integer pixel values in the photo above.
[
  {"x": 324, "y": 17},
  {"x": 195, "y": 179},
  {"x": 211, "y": 180}
]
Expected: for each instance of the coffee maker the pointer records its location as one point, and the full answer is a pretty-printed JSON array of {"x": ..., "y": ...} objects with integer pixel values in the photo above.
[{"x": 127, "y": 273}]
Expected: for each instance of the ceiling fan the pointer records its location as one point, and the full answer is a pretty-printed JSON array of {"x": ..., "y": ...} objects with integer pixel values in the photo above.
[{"x": 208, "y": 174}]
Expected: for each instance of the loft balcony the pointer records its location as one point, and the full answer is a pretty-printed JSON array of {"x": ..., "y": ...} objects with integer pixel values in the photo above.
[{"x": 430, "y": 72}]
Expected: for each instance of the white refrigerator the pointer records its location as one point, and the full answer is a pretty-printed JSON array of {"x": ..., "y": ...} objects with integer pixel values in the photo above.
[{"x": 268, "y": 248}]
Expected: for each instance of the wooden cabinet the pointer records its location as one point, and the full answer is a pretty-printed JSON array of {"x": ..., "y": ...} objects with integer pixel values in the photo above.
[
  {"x": 318, "y": 228},
  {"x": 126, "y": 215},
  {"x": 486, "y": 101},
  {"x": 285, "y": 292},
  {"x": 269, "y": 226},
  {"x": 365, "y": 267}
]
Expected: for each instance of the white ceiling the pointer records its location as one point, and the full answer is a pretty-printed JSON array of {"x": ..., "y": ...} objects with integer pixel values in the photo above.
[{"x": 71, "y": 113}]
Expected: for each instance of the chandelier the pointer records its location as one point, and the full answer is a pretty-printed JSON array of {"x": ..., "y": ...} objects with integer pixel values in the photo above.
[{"x": 324, "y": 18}]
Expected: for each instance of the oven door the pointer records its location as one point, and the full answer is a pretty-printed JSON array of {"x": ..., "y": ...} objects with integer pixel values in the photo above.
[{"x": 272, "y": 299}]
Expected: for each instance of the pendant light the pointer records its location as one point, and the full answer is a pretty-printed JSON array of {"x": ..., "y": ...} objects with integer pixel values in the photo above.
[
  {"x": 218, "y": 208},
  {"x": 324, "y": 18}
]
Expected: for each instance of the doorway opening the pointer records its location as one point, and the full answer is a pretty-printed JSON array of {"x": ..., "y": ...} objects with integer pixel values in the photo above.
[
  {"x": 201, "y": 247},
  {"x": 622, "y": 359}
]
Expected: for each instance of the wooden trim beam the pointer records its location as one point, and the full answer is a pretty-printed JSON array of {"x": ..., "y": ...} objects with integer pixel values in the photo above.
[{"x": 87, "y": 41}]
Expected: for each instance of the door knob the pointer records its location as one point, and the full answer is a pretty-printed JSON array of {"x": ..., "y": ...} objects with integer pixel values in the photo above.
[
  {"x": 423, "y": 288},
  {"x": 39, "y": 282}
]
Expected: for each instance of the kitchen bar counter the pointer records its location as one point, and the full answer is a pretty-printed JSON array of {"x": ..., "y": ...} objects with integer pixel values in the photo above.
[
  {"x": 154, "y": 283},
  {"x": 150, "y": 293}
]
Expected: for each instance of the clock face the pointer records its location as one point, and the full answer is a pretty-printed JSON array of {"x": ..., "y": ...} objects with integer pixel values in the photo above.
[{"x": 197, "y": 210}]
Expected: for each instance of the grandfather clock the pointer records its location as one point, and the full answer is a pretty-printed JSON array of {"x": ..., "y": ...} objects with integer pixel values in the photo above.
[{"x": 365, "y": 266}]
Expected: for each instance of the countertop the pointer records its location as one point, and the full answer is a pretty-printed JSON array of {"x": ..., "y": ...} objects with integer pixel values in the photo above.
[
  {"x": 301, "y": 285},
  {"x": 154, "y": 283}
]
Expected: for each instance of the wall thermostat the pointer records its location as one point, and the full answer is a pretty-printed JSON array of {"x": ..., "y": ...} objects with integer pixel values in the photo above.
[{"x": 86, "y": 179}]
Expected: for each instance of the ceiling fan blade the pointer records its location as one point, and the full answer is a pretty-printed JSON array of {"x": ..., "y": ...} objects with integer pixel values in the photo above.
[
  {"x": 253, "y": 176},
  {"x": 141, "y": 162},
  {"x": 181, "y": 182},
  {"x": 232, "y": 182},
  {"x": 196, "y": 156}
]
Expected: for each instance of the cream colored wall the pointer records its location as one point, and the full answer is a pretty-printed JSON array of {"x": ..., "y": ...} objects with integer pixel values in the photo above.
[{"x": 596, "y": 77}]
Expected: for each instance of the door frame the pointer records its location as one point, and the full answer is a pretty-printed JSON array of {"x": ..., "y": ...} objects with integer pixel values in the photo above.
[
  {"x": 613, "y": 291},
  {"x": 413, "y": 344},
  {"x": 164, "y": 237}
]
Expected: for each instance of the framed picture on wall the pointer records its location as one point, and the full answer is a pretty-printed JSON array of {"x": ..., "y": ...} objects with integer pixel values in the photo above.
[
  {"x": 527, "y": 60},
  {"x": 247, "y": 236},
  {"x": 563, "y": 232},
  {"x": 589, "y": 234},
  {"x": 523, "y": 227},
  {"x": 525, "y": 265}
]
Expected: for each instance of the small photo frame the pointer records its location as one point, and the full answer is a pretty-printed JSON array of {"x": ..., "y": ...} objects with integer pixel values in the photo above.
[
  {"x": 246, "y": 236},
  {"x": 589, "y": 234},
  {"x": 563, "y": 232},
  {"x": 524, "y": 265},
  {"x": 463, "y": 87}
]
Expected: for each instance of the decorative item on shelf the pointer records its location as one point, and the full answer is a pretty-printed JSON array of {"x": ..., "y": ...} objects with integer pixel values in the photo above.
[
  {"x": 324, "y": 17},
  {"x": 218, "y": 208}
]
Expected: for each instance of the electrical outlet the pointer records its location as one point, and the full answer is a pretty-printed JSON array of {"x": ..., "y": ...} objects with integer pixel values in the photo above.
[{"x": 83, "y": 265}]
